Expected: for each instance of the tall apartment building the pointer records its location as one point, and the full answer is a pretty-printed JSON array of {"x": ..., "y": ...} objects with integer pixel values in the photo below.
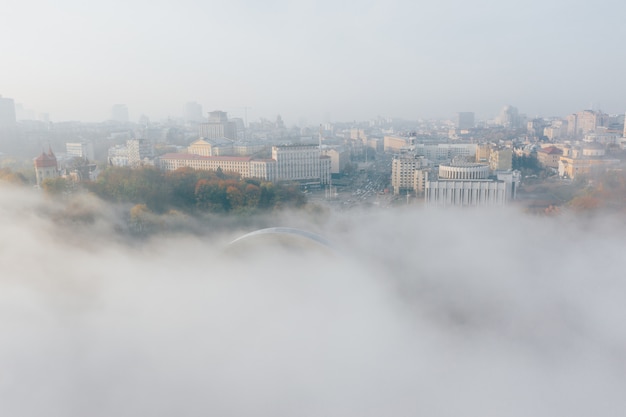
[
  {"x": 7, "y": 112},
  {"x": 509, "y": 118},
  {"x": 192, "y": 112},
  {"x": 403, "y": 169},
  {"x": 133, "y": 154},
  {"x": 80, "y": 150},
  {"x": 586, "y": 121},
  {"x": 464, "y": 120},
  {"x": 218, "y": 126}
]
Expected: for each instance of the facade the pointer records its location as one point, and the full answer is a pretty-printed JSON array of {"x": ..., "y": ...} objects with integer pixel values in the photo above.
[
  {"x": 403, "y": 168},
  {"x": 585, "y": 160},
  {"x": 556, "y": 130},
  {"x": 192, "y": 112},
  {"x": 339, "y": 158},
  {"x": 292, "y": 163},
  {"x": 135, "y": 153},
  {"x": 445, "y": 152},
  {"x": 301, "y": 163},
  {"x": 466, "y": 171},
  {"x": 586, "y": 121},
  {"x": 397, "y": 143},
  {"x": 501, "y": 159},
  {"x": 464, "y": 120},
  {"x": 82, "y": 150},
  {"x": 212, "y": 147},
  {"x": 7, "y": 113},
  {"x": 237, "y": 164},
  {"x": 549, "y": 156},
  {"x": 459, "y": 193},
  {"x": 46, "y": 167},
  {"x": 509, "y": 118},
  {"x": 218, "y": 126}
]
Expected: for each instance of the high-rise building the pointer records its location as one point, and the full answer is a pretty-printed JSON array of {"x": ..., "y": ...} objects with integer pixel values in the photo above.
[
  {"x": 586, "y": 121},
  {"x": 119, "y": 113},
  {"x": 465, "y": 120},
  {"x": 218, "y": 127},
  {"x": 509, "y": 118},
  {"x": 7, "y": 112},
  {"x": 80, "y": 150},
  {"x": 192, "y": 112}
]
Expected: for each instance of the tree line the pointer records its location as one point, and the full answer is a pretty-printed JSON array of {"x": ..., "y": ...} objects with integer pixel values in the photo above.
[{"x": 190, "y": 190}]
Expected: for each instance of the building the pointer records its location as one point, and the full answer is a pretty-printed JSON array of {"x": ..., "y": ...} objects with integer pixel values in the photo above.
[
  {"x": 464, "y": 171},
  {"x": 192, "y": 112},
  {"x": 509, "y": 118},
  {"x": 556, "y": 130},
  {"x": 586, "y": 121},
  {"x": 135, "y": 153},
  {"x": 458, "y": 193},
  {"x": 301, "y": 163},
  {"x": 584, "y": 160},
  {"x": 211, "y": 147},
  {"x": 397, "y": 143},
  {"x": 218, "y": 127},
  {"x": 469, "y": 185},
  {"x": 339, "y": 158},
  {"x": 549, "y": 156},
  {"x": 464, "y": 120},
  {"x": 7, "y": 113},
  {"x": 446, "y": 152},
  {"x": 403, "y": 168},
  {"x": 82, "y": 150},
  {"x": 236, "y": 164},
  {"x": 501, "y": 159},
  {"x": 46, "y": 166}
]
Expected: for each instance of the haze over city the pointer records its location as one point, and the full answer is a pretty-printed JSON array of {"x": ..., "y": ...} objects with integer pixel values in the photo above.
[
  {"x": 311, "y": 60},
  {"x": 286, "y": 208}
]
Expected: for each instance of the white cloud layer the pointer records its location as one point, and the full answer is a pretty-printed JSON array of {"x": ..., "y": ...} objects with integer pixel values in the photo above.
[{"x": 418, "y": 313}]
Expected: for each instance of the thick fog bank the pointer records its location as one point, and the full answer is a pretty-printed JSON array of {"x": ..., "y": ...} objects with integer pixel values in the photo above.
[{"x": 410, "y": 313}]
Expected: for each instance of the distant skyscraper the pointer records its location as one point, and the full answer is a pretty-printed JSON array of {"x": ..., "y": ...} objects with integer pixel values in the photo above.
[
  {"x": 586, "y": 121},
  {"x": 465, "y": 120},
  {"x": 192, "y": 112},
  {"x": 119, "y": 113},
  {"x": 218, "y": 127},
  {"x": 509, "y": 117},
  {"x": 7, "y": 112}
]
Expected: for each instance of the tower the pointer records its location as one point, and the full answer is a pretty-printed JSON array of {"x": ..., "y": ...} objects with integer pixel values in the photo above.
[{"x": 46, "y": 166}]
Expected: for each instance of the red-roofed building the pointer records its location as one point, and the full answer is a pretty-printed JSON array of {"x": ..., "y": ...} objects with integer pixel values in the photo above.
[
  {"x": 549, "y": 156},
  {"x": 46, "y": 166}
]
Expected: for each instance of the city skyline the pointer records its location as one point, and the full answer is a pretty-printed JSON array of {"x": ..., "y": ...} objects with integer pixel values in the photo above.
[{"x": 313, "y": 61}]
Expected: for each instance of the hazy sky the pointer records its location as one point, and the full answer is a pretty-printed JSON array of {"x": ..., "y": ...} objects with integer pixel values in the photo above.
[{"x": 313, "y": 59}]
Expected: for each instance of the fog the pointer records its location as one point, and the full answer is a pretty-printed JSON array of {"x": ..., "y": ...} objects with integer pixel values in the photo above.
[{"x": 413, "y": 312}]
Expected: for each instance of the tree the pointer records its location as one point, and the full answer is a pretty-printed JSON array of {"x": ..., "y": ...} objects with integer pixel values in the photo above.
[{"x": 55, "y": 186}]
